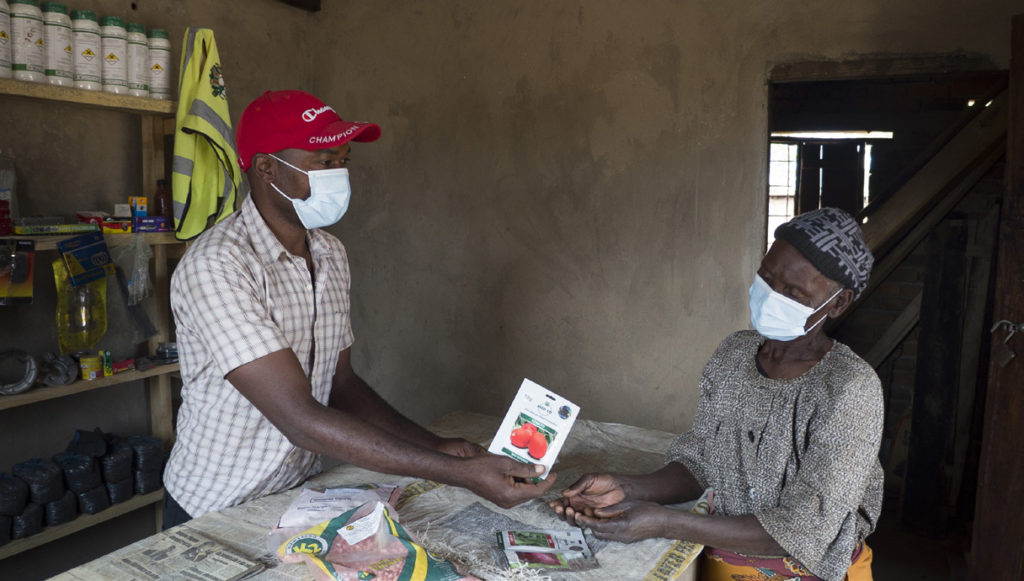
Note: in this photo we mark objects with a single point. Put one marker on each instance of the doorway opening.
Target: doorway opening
(827, 148)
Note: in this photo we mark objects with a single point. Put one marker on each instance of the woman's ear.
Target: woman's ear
(843, 302)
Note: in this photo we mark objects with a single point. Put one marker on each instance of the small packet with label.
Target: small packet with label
(535, 427)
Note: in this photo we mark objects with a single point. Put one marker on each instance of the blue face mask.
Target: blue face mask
(329, 194)
(776, 316)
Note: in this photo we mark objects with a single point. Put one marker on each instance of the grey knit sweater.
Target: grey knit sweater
(799, 454)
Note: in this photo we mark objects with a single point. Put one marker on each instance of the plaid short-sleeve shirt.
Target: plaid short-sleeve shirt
(238, 295)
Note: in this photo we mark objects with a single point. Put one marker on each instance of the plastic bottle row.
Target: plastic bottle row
(49, 44)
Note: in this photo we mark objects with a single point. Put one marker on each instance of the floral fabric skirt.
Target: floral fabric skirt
(719, 565)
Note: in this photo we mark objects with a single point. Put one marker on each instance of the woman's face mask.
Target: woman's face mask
(329, 194)
(777, 316)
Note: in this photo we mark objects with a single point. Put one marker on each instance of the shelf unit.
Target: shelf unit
(157, 120)
(82, 522)
(38, 394)
(100, 99)
(50, 241)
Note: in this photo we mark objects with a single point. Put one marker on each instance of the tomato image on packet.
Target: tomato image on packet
(538, 446)
(520, 438)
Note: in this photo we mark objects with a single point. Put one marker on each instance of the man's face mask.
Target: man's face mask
(777, 316)
(329, 194)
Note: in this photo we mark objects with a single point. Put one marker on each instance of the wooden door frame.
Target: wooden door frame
(997, 542)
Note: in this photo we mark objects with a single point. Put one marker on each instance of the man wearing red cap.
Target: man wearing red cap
(261, 304)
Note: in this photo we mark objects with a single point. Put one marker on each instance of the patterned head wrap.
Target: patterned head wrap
(833, 242)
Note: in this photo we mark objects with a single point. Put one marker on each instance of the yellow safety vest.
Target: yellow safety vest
(205, 178)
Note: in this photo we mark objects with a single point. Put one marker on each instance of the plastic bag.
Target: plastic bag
(148, 453)
(44, 478)
(117, 463)
(13, 495)
(313, 506)
(28, 523)
(121, 490)
(366, 543)
(93, 501)
(133, 260)
(62, 510)
(81, 472)
(5, 529)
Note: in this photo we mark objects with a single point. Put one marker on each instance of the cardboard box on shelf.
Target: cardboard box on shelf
(117, 226)
(149, 224)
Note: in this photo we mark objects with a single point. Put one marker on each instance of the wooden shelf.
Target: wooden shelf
(156, 122)
(37, 394)
(100, 99)
(49, 241)
(83, 521)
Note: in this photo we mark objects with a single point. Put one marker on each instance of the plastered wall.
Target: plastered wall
(574, 191)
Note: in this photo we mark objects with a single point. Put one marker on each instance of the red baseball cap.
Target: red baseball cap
(279, 120)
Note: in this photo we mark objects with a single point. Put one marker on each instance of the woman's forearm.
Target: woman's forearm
(672, 484)
(738, 534)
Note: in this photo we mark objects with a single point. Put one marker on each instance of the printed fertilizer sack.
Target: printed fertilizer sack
(366, 543)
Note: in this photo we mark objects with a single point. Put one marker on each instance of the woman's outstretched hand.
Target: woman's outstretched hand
(627, 521)
(587, 495)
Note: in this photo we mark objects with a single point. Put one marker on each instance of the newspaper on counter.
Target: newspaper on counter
(563, 549)
(535, 426)
(183, 553)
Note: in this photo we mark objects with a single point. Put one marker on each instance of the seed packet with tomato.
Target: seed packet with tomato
(535, 426)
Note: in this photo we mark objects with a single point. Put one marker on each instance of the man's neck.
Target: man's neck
(291, 235)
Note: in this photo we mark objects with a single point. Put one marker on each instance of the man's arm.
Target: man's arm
(277, 386)
(351, 394)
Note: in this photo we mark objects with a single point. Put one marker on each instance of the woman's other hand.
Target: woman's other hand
(590, 493)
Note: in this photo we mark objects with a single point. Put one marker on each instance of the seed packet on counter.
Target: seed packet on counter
(535, 426)
(564, 549)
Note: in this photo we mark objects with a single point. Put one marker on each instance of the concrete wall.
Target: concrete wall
(574, 191)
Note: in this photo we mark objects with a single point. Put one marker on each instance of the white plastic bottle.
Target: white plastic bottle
(5, 41)
(159, 64)
(138, 60)
(114, 42)
(57, 34)
(29, 48)
(85, 43)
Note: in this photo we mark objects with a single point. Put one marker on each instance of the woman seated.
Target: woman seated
(786, 432)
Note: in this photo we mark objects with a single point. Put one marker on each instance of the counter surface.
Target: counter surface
(452, 522)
